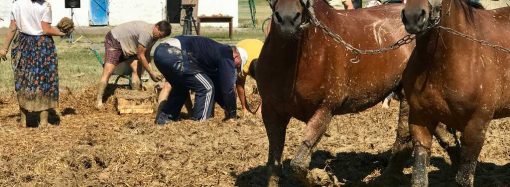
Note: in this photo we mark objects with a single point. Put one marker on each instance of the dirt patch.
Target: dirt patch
(101, 148)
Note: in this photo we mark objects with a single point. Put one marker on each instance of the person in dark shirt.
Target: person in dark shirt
(204, 66)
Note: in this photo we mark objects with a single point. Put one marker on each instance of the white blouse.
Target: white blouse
(29, 15)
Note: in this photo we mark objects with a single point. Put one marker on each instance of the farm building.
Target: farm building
(115, 12)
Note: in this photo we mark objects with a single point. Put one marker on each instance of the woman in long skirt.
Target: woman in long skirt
(34, 58)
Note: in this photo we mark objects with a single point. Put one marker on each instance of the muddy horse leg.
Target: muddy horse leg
(276, 128)
(421, 132)
(472, 141)
(315, 128)
(401, 149)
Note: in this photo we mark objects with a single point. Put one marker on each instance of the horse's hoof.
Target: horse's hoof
(299, 172)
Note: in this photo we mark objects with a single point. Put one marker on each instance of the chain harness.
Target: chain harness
(471, 38)
(460, 34)
(356, 51)
(402, 41)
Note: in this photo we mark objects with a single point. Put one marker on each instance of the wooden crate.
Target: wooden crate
(135, 102)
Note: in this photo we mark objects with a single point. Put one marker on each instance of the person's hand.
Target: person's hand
(245, 113)
(3, 55)
(155, 77)
(259, 111)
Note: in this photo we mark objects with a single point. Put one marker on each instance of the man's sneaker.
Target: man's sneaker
(163, 118)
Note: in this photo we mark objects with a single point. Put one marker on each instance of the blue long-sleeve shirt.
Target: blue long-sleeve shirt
(217, 61)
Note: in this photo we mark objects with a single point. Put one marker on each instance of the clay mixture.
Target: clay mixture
(86, 147)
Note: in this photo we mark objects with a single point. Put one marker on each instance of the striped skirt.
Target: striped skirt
(35, 72)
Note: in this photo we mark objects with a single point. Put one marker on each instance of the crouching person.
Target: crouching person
(253, 48)
(131, 39)
(202, 65)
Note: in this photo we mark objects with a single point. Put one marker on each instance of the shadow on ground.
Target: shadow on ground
(353, 168)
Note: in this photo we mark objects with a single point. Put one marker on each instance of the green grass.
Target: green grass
(77, 67)
(262, 12)
(6, 80)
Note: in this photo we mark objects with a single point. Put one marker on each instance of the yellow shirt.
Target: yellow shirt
(253, 48)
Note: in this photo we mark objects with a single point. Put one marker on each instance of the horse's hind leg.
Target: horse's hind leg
(449, 142)
(315, 128)
(472, 141)
(276, 128)
(400, 151)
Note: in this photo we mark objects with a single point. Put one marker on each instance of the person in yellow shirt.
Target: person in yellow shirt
(253, 48)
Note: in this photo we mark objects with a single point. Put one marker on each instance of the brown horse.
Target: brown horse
(304, 74)
(455, 78)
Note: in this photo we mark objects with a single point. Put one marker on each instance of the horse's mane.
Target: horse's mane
(475, 4)
(468, 6)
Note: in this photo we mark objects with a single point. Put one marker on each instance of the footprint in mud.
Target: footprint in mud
(138, 127)
(85, 162)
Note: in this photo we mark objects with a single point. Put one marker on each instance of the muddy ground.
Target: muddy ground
(85, 147)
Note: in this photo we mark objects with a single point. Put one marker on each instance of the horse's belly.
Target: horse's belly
(358, 103)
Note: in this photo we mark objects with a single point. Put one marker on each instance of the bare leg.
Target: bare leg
(135, 76)
(259, 110)
(163, 97)
(43, 118)
(23, 120)
(107, 72)
(316, 127)
(276, 128)
(472, 141)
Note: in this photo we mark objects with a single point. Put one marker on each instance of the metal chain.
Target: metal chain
(403, 41)
(471, 38)
(482, 42)
(356, 51)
